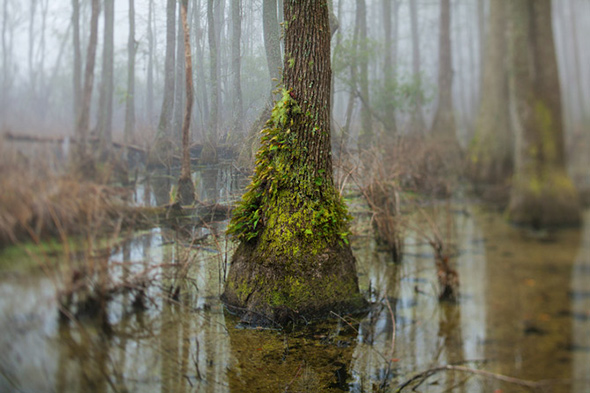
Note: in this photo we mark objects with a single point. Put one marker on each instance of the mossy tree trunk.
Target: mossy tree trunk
(443, 127)
(491, 151)
(294, 260)
(186, 189)
(542, 194)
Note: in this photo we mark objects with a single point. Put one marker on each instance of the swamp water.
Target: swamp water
(524, 312)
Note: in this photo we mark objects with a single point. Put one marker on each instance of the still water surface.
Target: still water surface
(524, 312)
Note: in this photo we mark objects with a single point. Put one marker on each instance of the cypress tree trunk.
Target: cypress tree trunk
(179, 84)
(443, 127)
(294, 260)
(272, 40)
(105, 110)
(186, 188)
(84, 116)
(366, 133)
(236, 15)
(542, 195)
(491, 151)
(418, 123)
(77, 74)
(168, 102)
(130, 98)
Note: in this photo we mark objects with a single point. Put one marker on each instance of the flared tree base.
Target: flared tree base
(266, 290)
(550, 202)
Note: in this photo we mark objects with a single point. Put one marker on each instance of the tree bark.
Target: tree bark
(443, 127)
(186, 188)
(491, 152)
(294, 260)
(542, 194)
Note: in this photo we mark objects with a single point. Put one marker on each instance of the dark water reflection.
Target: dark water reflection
(524, 312)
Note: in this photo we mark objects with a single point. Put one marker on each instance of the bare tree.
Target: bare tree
(105, 109)
(186, 188)
(130, 96)
(168, 102)
(272, 40)
(366, 133)
(238, 112)
(84, 117)
(444, 120)
(150, 64)
(418, 123)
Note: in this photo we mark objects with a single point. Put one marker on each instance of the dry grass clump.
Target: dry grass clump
(36, 203)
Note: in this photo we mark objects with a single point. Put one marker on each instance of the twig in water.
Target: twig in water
(532, 385)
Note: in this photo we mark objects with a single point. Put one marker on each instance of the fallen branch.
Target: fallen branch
(422, 376)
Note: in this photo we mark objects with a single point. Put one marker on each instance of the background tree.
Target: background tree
(366, 132)
(236, 57)
(130, 96)
(105, 106)
(186, 188)
(418, 124)
(77, 60)
(491, 151)
(84, 117)
(272, 41)
(294, 259)
(168, 102)
(542, 194)
(444, 126)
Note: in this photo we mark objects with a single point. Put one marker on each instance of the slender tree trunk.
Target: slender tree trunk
(542, 194)
(186, 188)
(417, 117)
(168, 102)
(491, 151)
(353, 68)
(31, 54)
(390, 7)
(293, 260)
(209, 153)
(180, 83)
(150, 65)
(576, 50)
(444, 127)
(236, 17)
(272, 41)
(84, 117)
(201, 85)
(366, 133)
(130, 98)
(77, 74)
(105, 110)
(6, 65)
